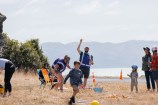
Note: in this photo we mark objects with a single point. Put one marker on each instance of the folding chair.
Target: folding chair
(41, 80)
(1, 89)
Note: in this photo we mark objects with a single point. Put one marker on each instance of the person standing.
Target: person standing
(146, 68)
(134, 77)
(154, 65)
(9, 68)
(2, 19)
(86, 61)
(59, 67)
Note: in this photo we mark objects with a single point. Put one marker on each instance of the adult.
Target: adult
(86, 61)
(146, 68)
(59, 67)
(2, 19)
(9, 68)
(154, 65)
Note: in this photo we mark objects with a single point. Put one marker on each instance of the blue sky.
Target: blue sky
(69, 20)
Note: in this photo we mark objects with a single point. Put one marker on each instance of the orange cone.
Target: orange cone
(121, 75)
(93, 80)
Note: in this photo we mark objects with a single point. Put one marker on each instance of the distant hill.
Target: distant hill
(106, 55)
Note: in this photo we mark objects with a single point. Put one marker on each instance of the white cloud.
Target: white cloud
(113, 4)
(31, 7)
(88, 7)
(8, 1)
(112, 8)
(67, 3)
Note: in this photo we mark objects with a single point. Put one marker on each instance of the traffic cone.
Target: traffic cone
(121, 75)
(93, 80)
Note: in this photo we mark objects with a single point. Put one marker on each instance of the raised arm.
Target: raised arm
(3, 18)
(78, 48)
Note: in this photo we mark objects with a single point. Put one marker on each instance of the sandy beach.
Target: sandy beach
(26, 92)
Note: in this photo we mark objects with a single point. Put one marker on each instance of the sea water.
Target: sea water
(110, 72)
(102, 74)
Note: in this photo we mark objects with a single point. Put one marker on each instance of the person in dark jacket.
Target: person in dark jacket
(2, 19)
(75, 76)
(146, 68)
(9, 68)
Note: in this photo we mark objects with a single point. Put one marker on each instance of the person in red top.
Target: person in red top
(154, 65)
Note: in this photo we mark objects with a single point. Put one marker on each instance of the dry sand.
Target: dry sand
(26, 92)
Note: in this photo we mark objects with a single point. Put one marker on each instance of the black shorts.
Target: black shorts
(85, 72)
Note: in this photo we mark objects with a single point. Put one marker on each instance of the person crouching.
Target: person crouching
(134, 77)
(9, 68)
(75, 76)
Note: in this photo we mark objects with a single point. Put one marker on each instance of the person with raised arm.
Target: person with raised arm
(2, 19)
(86, 61)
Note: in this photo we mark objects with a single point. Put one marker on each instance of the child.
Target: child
(75, 80)
(134, 76)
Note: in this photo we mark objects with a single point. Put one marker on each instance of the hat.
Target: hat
(154, 49)
(134, 67)
(146, 48)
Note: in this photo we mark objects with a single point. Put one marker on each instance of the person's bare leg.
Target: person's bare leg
(75, 92)
(61, 83)
(85, 82)
(4, 94)
(58, 84)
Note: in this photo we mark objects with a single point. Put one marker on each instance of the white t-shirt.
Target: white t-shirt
(2, 63)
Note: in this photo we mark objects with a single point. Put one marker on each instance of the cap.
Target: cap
(146, 48)
(134, 67)
(154, 49)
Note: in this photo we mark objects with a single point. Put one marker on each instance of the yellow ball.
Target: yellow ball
(95, 103)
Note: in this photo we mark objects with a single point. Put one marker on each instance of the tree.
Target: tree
(26, 56)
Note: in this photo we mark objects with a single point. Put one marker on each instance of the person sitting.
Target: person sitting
(41, 77)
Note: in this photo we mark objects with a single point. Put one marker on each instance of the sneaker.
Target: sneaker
(73, 99)
(70, 102)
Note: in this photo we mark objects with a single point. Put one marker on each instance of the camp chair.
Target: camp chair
(46, 80)
(1, 89)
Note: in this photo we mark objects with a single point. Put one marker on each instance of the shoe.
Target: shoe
(70, 102)
(73, 99)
